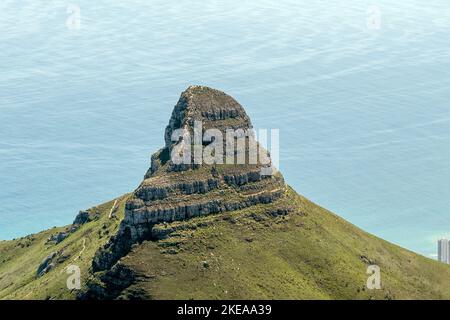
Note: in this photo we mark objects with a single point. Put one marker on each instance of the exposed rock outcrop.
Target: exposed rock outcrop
(152, 190)
(46, 265)
(58, 237)
(213, 108)
(172, 192)
(82, 218)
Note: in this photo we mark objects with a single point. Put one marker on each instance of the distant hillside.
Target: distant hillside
(215, 231)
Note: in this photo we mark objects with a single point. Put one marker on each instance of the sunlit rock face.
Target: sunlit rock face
(204, 122)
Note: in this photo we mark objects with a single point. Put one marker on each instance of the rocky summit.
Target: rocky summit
(172, 192)
(223, 229)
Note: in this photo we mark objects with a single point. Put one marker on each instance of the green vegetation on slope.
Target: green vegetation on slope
(202, 244)
(20, 258)
(309, 253)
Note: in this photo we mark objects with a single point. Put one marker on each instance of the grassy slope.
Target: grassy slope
(310, 253)
(19, 259)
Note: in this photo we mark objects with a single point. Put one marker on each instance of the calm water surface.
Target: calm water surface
(364, 114)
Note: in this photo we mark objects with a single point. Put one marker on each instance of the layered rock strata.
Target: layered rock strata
(172, 192)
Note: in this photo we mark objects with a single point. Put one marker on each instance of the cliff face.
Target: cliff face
(214, 108)
(212, 231)
(174, 192)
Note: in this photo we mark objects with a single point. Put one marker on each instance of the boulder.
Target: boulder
(46, 264)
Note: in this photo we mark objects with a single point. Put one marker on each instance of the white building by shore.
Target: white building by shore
(444, 251)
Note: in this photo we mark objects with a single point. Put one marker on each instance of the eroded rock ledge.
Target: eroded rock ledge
(172, 193)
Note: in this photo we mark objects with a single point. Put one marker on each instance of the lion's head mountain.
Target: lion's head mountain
(212, 231)
(176, 192)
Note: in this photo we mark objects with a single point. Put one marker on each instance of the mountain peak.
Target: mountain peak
(212, 107)
(175, 192)
(212, 231)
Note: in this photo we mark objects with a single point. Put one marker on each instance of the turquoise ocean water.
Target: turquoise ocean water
(363, 112)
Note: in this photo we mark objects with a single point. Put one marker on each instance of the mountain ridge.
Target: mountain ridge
(178, 191)
(193, 230)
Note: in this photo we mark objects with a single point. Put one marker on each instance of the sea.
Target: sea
(359, 90)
